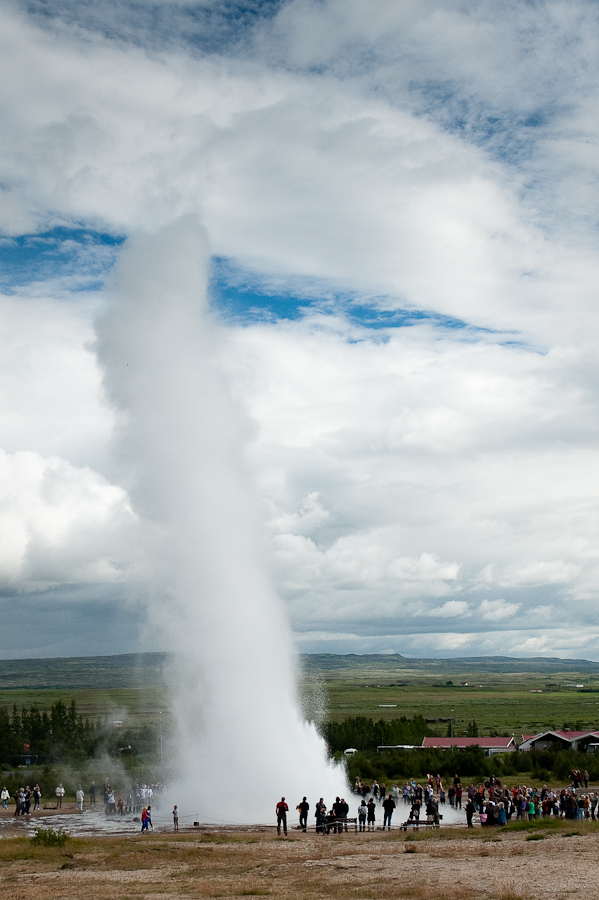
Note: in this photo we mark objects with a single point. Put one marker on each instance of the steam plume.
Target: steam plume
(241, 741)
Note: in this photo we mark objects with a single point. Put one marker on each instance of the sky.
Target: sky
(400, 201)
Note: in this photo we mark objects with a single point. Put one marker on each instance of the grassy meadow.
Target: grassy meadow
(497, 695)
(503, 707)
(500, 698)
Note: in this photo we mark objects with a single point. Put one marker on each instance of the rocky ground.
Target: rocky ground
(449, 864)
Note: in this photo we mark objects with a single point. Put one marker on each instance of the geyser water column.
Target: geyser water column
(241, 741)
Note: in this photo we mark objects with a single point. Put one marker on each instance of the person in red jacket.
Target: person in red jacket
(282, 810)
(146, 818)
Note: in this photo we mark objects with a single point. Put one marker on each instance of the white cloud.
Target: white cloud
(49, 380)
(310, 516)
(451, 609)
(295, 174)
(60, 524)
(512, 508)
(497, 610)
(412, 156)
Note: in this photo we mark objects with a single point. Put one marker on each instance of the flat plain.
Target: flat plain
(508, 696)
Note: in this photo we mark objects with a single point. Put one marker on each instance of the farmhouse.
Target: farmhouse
(560, 740)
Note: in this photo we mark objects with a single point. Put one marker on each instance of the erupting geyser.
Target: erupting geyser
(241, 740)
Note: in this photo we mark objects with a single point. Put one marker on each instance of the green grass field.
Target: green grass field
(133, 706)
(497, 699)
(498, 694)
(504, 708)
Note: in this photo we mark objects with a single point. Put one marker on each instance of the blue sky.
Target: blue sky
(239, 296)
(400, 212)
(56, 255)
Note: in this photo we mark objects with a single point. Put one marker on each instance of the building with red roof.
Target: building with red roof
(560, 740)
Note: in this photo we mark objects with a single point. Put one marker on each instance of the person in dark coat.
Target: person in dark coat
(470, 812)
(371, 814)
(282, 810)
(303, 808)
(388, 807)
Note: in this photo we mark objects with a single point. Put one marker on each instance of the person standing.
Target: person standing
(303, 808)
(92, 794)
(388, 807)
(343, 814)
(320, 813)
(469, 812)
(371, 814)
(362, 813)
(282, 810)
(59, 795)
(458, 796)
(432, 810)
(144, 819)
(5, 797)
(37, 797)
(79, 798)
(175, 817)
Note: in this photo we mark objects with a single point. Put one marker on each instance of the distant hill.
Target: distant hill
(147, 669)
(394, 662)
(84, 672)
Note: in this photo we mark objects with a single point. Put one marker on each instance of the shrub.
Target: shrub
(50, 837)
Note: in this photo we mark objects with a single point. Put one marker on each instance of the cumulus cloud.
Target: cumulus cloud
(434, 162)
(60, 524)
(450, 609)
(291, 174)
(497, 610)
(509, 507)
(49, 380)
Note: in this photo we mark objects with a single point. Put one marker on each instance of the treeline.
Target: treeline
(62, 735)
(362, 733)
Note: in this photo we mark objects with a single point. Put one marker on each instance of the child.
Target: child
(176, 817)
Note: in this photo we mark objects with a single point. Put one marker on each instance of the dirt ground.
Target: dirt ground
(449, 864)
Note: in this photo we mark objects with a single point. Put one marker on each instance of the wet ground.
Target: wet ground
(88, 822)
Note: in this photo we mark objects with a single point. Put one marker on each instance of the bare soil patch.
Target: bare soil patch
(450, 865)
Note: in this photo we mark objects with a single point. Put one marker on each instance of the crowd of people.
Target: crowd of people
(492, 803)
(337, 818)
(501, 805)
(27, 799)
(23, 798)
(489, 801)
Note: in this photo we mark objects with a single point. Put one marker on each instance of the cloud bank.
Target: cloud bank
(401, 209)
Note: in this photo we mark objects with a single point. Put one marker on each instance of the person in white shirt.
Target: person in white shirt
(4, 796)
(59, 795)
(79, 797)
